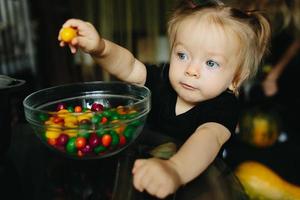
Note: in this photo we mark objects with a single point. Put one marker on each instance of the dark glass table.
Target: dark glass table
(29, 170)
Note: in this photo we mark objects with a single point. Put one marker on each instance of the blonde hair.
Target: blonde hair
(252, 29)
(283, 14)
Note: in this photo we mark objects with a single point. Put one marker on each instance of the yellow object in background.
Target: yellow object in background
(266, 69)
(261, 182)
(259, 128)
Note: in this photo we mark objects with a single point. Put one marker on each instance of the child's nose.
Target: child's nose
(192, 71)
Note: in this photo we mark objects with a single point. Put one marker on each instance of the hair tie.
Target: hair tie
(248, 12)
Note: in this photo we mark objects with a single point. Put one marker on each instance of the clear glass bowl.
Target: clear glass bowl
(88, 120)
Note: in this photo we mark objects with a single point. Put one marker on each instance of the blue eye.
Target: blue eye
(182, 56)
(212, 63)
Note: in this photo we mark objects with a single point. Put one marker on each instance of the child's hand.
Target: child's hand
(158, 177)
(87, 37)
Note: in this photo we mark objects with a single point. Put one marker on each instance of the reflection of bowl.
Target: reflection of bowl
(88, 120)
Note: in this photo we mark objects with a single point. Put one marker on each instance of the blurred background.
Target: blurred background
(268, 130)
(29, 30)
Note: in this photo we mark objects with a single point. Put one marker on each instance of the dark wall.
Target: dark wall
(55, 65)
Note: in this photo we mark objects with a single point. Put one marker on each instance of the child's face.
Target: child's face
(203, 61)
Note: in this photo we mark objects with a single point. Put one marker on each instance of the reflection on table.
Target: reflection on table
(32, 171)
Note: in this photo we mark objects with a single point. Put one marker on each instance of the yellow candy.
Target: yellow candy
(120, 129)
(53, 125)
(70, 125)
(71, 133)
(85, 116)
(52, 134)
(63, 113)
(70, 119)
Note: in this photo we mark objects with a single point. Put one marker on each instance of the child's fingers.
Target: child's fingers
(146, 183)
(152, 188)
(75, 41)
(73, 49)
(161, 192)
(73, 23)
(138, 178)
(79, 42)
(62, 44)
(138, 163)
(58, 37)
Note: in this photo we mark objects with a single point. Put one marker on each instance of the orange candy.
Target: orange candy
(106, 140)
(67, 34)
(80, 142)
(51, 141)
(78, 109)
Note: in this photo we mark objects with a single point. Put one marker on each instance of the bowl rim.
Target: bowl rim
(145, 98)
(80, 83)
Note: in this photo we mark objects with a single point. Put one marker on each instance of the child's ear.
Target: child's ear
(233, 88)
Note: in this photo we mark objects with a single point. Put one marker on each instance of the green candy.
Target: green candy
(114, 115)
(83, 133)
(71, 147)
(123, 117)
(70, 109)
(115, 138)
(100, 132)
(96, 119)
(99, 149)
(128, 132)
(43, 135)
(84, 126)
(132, 115)
(107, 113)
(43, 117)
(135, 123)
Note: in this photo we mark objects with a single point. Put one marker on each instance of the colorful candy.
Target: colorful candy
(81, 131)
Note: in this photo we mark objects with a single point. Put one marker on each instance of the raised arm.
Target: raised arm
(113, 58)
(270, 82)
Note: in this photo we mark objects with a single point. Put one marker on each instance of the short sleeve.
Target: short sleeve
(223, 110)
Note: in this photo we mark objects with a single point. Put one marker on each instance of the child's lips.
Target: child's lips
(187, 86)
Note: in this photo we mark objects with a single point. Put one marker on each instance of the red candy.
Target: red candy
(86, 149)
(62, 139)
(122, 140)
(97, 107)
(80, 153)
(58, 120)
(61, 106)
(94, 140)
(104, 120)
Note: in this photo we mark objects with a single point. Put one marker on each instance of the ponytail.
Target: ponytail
(262, 28)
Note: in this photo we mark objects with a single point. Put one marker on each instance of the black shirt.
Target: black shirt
(222, 109)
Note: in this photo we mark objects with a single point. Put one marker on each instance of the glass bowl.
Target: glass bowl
(88, 120)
